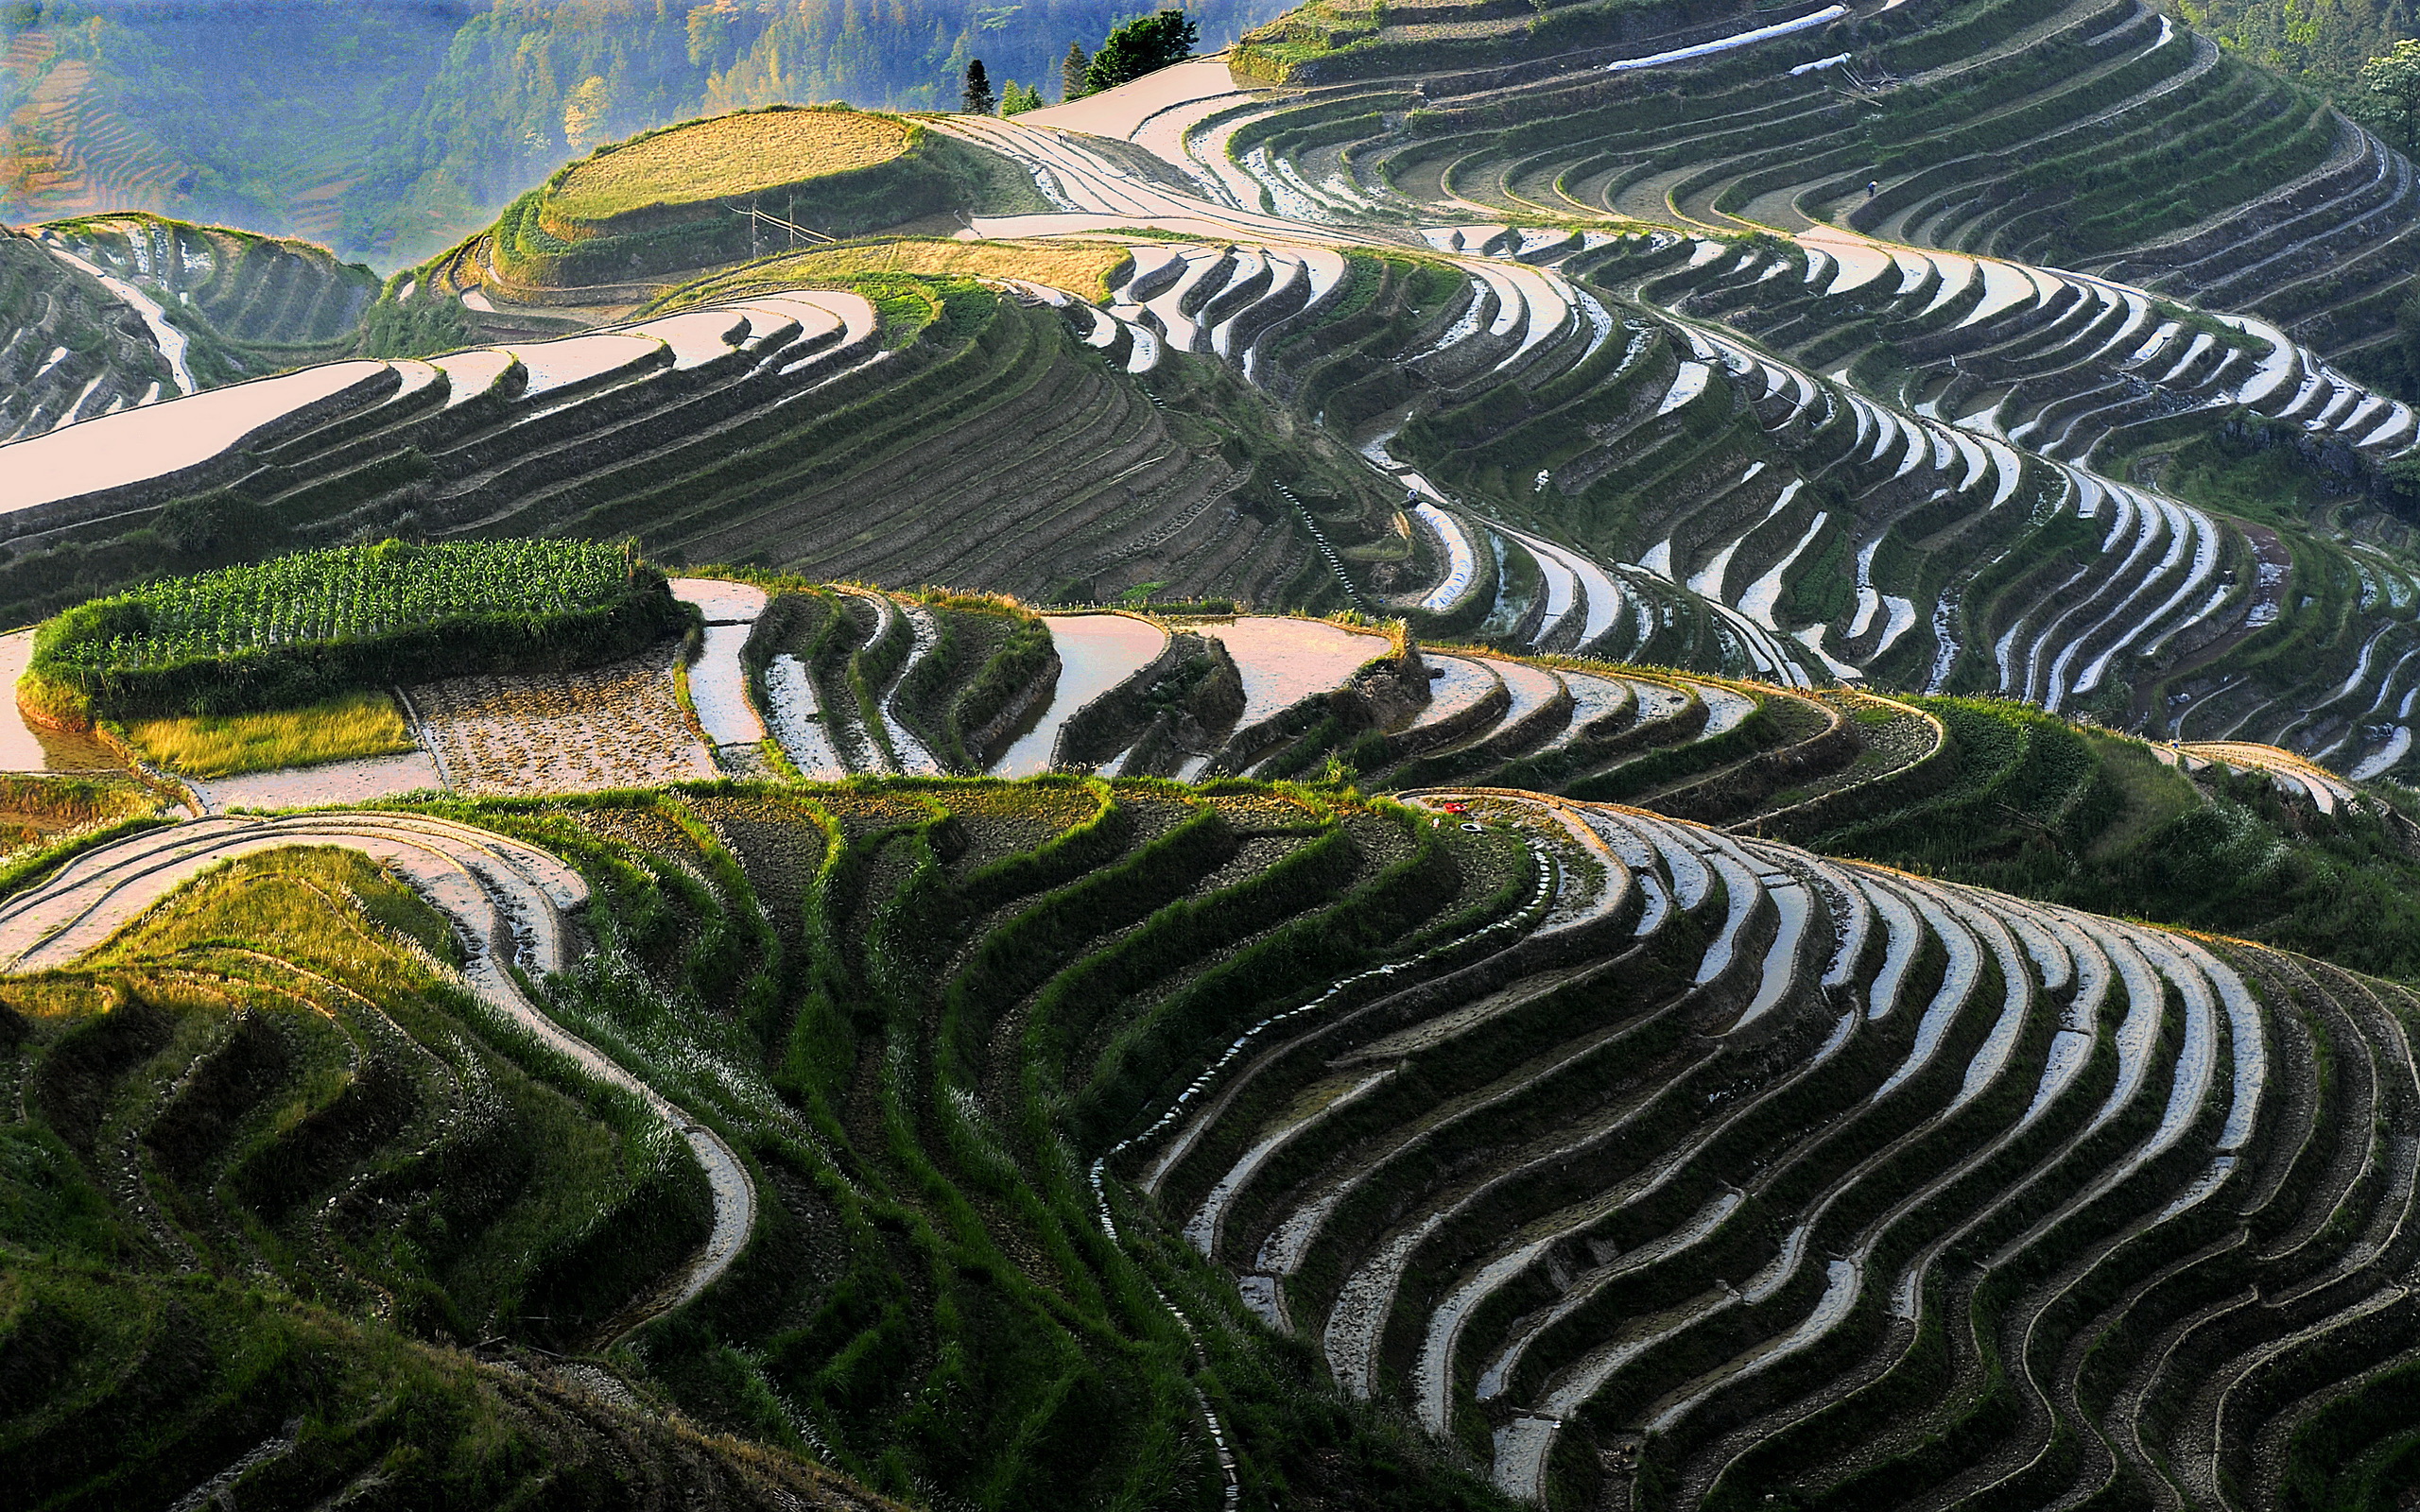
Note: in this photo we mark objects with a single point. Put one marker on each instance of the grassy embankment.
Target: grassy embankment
(340, 1171)
(665, 201)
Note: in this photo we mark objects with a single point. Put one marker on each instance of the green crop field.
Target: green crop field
(726, 157)
(300, 627)
(344, 593)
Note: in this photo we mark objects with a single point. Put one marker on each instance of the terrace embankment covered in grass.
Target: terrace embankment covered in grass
(706, 193)
(306, 627)
(41, 817)
(274, 1172)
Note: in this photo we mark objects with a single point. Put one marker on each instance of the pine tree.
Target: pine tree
(1015, 99)
(978, 100)
(1071, 73)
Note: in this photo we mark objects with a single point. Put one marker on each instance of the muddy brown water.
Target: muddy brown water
(1096, 652)
(26, 747)
(1285, 660)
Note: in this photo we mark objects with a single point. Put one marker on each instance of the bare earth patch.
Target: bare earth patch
(614, 726)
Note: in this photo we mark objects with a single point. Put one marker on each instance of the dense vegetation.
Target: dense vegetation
(258, 1207)
(303, 627)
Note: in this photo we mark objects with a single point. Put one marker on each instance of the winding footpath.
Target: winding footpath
(508, 902)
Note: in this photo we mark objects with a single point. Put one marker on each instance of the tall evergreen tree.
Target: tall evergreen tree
(1071, 72)
(977, 100)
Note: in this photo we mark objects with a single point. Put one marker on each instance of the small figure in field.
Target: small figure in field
(1872, 187)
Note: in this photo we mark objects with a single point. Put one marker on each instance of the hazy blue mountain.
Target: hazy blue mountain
(388, 129)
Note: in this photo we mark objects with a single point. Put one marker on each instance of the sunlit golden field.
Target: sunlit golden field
(356, 724)
(729, 154)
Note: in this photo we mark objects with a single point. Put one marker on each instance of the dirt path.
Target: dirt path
(507, 900)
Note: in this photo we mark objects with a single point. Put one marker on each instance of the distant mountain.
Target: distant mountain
(390, 129)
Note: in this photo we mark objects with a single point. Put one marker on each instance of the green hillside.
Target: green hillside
(1595, 756)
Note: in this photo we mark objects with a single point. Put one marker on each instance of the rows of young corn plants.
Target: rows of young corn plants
(345, 593)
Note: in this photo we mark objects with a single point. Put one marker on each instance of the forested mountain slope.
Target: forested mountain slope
(416, 120)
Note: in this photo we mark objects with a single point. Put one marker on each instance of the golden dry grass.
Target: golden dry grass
(1078, 266)
(358, 724)
(726, 156)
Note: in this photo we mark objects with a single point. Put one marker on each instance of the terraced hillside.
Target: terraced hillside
(1757, 1208)
(1559, 1031)
(71, 152)
(248, 304)
(113, 312)
(1716, 497)
(763, 427)
(2098, 135)
(842, 1116)
(1628, 1157)
(1836, 456)
(262, 1203)
(829, 682)
(611, 232)
(1824, 458)
(72, 349)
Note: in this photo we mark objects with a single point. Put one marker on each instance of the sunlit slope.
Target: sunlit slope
(2249, 840)
(611, 230)
(277, 1171)
(2100, 135)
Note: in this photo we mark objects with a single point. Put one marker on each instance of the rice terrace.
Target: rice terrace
(1606, 754)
